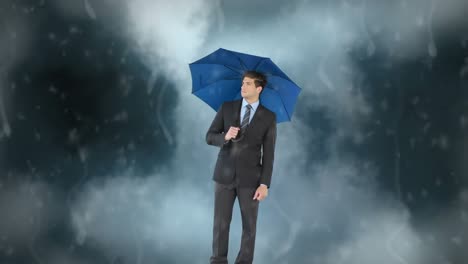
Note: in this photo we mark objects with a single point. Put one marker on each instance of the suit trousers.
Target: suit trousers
(224, 198)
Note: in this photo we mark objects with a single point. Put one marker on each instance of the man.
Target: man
(245, 131)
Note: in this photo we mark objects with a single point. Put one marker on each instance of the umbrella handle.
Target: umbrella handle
(238, 139)
(236, 123)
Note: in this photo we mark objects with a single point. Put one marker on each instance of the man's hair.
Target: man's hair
(260, 79)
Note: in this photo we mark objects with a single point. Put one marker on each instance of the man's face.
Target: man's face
(248, 89)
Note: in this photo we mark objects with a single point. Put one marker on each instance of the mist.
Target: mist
(103, 149)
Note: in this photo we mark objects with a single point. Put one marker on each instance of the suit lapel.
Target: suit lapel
(237, 112)
(254, 121)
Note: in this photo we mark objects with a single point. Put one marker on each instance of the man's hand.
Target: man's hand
(261, 193)
(232, 133)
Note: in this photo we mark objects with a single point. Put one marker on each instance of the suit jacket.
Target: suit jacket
(250, 160)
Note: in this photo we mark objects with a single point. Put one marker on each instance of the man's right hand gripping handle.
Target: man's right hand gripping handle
(215, 135)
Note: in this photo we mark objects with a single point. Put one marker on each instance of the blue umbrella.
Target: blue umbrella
(217, 78)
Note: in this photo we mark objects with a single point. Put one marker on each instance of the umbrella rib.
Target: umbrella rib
(241, 62)
(258, 63)
(232, 68)
(215, 81)
(228, 67)
(285, 80)
(270, 74)
(286, 110)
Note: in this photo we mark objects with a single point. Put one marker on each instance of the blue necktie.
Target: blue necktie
(245, 120)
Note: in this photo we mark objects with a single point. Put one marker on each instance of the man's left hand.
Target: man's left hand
(261, 193)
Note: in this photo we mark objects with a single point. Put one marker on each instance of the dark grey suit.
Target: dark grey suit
(240, 169)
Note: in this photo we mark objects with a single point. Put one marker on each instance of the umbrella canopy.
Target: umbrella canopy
(217, 78)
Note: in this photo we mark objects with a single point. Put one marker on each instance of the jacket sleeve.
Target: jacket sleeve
(268, 156)
(215, 134)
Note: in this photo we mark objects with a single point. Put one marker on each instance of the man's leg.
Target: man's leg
(223, 204)
(249, 212)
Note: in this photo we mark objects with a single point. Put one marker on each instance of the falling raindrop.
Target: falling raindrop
(432, 49)
(89, 9)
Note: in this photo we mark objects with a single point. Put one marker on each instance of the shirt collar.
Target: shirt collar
(254, 105)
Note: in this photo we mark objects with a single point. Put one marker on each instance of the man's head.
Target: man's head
(252, 85)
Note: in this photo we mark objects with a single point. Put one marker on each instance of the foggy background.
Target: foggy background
(103, 156)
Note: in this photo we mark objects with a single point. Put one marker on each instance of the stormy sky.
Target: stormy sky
(103, 156)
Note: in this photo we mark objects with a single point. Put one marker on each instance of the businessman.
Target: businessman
(245, 132)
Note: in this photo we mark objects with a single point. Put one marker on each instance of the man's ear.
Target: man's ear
(261, 88)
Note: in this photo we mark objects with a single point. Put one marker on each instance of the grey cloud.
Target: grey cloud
(132, 216)
(14, 45)
(29, 207)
